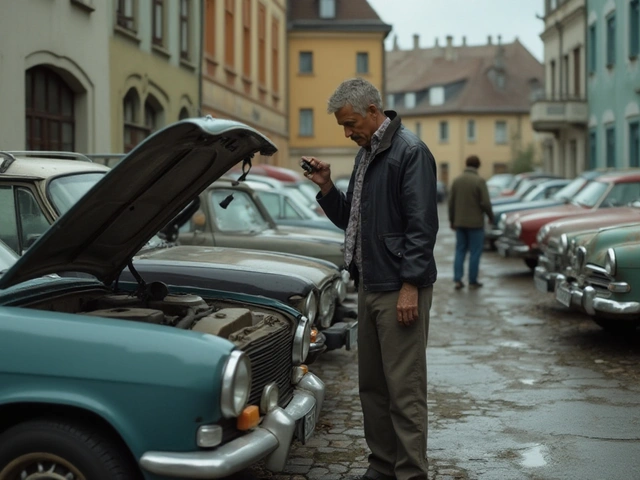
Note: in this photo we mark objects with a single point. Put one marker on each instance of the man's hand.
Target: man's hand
(408, 304)
(321, 175)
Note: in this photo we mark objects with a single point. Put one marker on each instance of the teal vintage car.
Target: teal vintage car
(608, 284)
(105, 380)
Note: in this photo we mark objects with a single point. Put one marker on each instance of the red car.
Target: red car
(521, 228)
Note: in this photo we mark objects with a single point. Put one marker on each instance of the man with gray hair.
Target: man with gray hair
(390, 218)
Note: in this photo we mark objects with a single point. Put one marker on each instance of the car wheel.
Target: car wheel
(59, 450)
(532, 263)
(617, 326)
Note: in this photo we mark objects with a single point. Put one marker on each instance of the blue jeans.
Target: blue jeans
(468, 240)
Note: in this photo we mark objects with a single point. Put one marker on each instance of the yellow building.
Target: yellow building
(243, 67)
(464, 100)
(329, 41)
(153, 67)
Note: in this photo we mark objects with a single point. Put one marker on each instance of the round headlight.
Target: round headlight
(236, 384)
(340, 289)
(310, 307)
(610, 262)
(542, 234)
(327, 306)
(564, 243)
(301, 341)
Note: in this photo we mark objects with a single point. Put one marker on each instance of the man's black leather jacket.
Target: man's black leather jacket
(399, 213)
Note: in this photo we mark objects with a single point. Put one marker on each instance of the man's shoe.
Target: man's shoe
(459, 285)
(475, 285)
(372, 474)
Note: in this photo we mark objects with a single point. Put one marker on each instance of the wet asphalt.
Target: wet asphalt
(519, 387)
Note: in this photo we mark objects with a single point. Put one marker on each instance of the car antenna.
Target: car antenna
(246, 168)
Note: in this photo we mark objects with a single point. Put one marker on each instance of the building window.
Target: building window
(262, 44)
(634, 144)
(133, 133)
(443, 132)
(157, 18)
(124, 14)
(184, 113)
(418, 129)
(306, 122)
(577, 88)
(49, 102)
(362, 62)
(436, 95)
(552, 80)
(611, 146)
(501, 132)
(327, 8)
(229, 33)
(409, 100)
(275, 55)
(210, 26)
(184, 29)
(611, 40)
(444, 173)
(592, 48)
(305, 60)
(471, 130)
(246, 38)
(391, 101)
(593, 152)
(634, 28)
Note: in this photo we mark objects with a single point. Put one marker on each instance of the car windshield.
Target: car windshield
(622, 194)
(310, 190)
(64, 192)
(279, 206)
(535, 194)
(500, 180)
(525, 187)
(571, 189)
(7, 258)
(241, 215)
(589, 195)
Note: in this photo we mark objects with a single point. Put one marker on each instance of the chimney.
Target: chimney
(438, 49)
(489, 40)
(416, 41)
(499, 39)
(395, 42)
(464, 41)
(449, 53)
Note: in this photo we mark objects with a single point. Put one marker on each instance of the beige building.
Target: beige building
(244, 58)
(329, 41)
(54, 82)
(154, 52)
(563, 111)
(466, 99)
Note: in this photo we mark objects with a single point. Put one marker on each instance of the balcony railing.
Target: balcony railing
(551, 114)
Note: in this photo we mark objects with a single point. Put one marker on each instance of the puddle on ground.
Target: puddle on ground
(534, 457)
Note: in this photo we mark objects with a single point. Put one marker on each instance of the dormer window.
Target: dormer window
(410, 100)
(436, 95)
(327, 8)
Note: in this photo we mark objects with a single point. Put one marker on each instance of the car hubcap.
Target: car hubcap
(40, 466)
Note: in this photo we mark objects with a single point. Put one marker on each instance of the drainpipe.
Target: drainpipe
(201, 55)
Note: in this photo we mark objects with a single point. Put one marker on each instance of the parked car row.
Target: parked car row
(586, 251)
(155, 319)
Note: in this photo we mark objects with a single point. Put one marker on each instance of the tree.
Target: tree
(524, 159)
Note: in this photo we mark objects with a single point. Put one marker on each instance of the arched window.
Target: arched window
(133, 132)
(50, 121)
(184, 113)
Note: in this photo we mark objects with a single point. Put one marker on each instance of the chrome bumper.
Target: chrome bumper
(544, 280)
(270, 441)
(493, 233)
(510, 248)
(594, 304)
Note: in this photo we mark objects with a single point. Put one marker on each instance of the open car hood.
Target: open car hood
(147, 189)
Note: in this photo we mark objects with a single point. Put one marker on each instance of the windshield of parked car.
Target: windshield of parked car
(569, 190)
(308, 189)
(535, 193)
(500, 180)
(622, 194)
(279, 206)
(241, 215)
(7, 258)
(590, 195)
(65, 191)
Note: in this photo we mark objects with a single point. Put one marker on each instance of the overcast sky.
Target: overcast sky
(475, 19)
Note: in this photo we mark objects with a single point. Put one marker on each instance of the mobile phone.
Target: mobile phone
(306, 165)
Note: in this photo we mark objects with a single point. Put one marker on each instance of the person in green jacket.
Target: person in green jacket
(469, 202)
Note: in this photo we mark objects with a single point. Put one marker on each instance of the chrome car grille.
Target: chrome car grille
(271, 361)
(510, 230)
(599, 280)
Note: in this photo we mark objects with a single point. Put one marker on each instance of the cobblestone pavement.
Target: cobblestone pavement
(519, 388)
